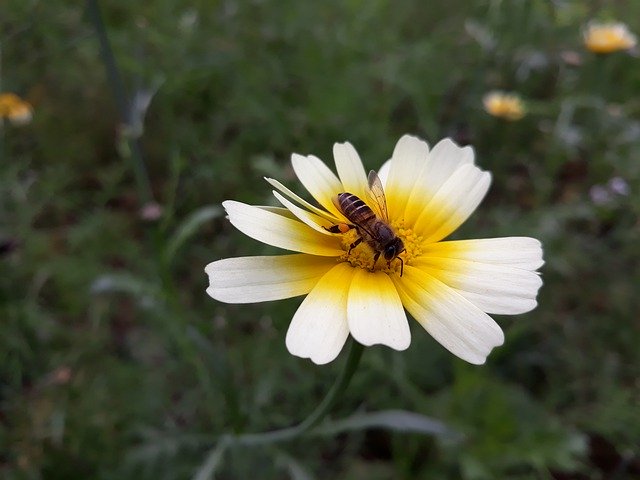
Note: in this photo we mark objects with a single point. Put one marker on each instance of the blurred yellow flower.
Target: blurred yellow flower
(422, 195)
(17, 110)
(608, 37)
(504, 105)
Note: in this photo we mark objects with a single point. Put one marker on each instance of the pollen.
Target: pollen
(362, 255)
(412, 242)
(359, 256)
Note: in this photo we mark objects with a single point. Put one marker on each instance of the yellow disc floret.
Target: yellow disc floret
(412, 241)
(363, 255)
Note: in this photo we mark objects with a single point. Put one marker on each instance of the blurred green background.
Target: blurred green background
(115, 364)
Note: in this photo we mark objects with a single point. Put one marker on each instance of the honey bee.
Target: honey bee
(372, 227)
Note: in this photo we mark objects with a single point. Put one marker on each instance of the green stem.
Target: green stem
(122, 100)
(315, 417)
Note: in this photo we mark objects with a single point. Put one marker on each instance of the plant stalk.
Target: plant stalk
(315, 417)
(122, 101)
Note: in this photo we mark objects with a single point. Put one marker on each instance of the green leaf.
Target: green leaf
(146, 293)
(294, 468)
(189, 227)
(396, 420)
(211, 463)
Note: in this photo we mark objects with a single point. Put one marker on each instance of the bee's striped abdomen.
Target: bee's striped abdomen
(355, 209)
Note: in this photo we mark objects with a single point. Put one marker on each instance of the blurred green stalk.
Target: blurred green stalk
(178, 325)
(334, 394)
(122, 101)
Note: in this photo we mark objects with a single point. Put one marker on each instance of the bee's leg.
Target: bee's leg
(355, 244)
(375, 259)
(401, 265)
(340, 228)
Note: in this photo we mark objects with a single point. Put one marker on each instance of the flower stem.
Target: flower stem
(314, 417)
(122, 100)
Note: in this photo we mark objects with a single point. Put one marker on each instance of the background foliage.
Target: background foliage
(114, 363)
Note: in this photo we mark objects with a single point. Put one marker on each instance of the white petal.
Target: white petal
(279, 231)
(383, 173)
(445, 158)
(493, 288)
(443, 161)
(350, 169)
(261, 279)
(375, 311)
(311, 219)
(520, 252)
(457, 324)
(319, 327)
(318, 179)
(454, 202)
(281, 211)
(409, 157)
(300, 201)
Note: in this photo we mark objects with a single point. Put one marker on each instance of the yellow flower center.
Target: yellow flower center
(18, 111)
(503, 105)
(362, 255)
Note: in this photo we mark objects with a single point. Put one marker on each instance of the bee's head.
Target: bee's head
(393, 249)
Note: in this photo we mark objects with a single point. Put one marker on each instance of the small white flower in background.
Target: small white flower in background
(603, 194)
(571, 58)
(599, 195)
(619, 185)
(151, 211)
(608, 37)
(449, 287)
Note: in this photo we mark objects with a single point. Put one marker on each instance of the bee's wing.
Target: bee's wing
(375, 192)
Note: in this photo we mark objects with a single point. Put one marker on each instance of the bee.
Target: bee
(372, 227)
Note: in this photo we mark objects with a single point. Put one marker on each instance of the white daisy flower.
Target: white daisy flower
(359, 276)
